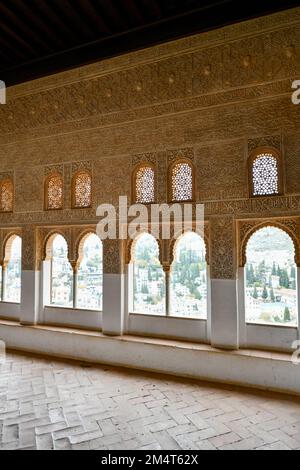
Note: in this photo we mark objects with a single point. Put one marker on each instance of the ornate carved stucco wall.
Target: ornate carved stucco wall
(212, 97)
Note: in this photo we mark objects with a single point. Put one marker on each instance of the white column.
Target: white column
(208, 304)
(298, 298)
(224, 317)
(46, 280)
(3, 283)
(241, 307)
(29, 297)
(113, 304)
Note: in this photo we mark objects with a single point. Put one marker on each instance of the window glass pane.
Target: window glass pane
(61, 274)
(189, 278)
(90, 275)
(148, 277)
(270, 278)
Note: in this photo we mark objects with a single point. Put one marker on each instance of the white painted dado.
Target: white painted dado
(168, 327)
(270, 337)
(266, 370)
(87, 319)
(224, 318)
(10, 310)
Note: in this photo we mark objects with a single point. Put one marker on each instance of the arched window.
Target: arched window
(61, 273)
(6, 195)
(148, 276)
(270, 278)
(265, 173)
(144, 184)
(12, 269)
(181, 181)
(90, 273)
(188, 288)
(54, 192)
(82, 189)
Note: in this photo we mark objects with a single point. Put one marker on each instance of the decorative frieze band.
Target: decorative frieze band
(255, 207)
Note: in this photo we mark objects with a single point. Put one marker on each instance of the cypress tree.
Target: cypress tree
(264, 293)
(255, 293)
(287, 315)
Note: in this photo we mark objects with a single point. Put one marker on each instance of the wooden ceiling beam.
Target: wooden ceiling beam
(99, 24)
(13, 20)
(37, 23)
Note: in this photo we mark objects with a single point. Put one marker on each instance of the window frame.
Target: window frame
(254, 155)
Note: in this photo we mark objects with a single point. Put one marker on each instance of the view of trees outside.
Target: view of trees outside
(61, 275)
(13, 273)
(270, 278)
(148, 277)
(90, 275)
(189, 278)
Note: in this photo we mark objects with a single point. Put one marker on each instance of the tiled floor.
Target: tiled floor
(47, 404)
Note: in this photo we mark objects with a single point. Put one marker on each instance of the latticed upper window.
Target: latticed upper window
(265, 175)
(182, 181)
(82, 190)
(144, 185)
(6, 196)
(54, 192)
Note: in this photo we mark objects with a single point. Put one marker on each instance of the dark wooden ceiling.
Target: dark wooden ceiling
(40, 37)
